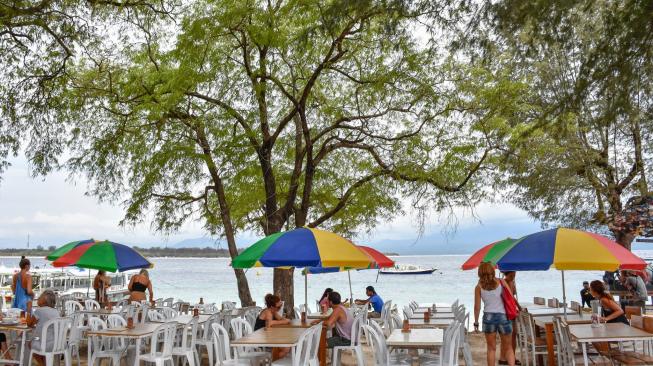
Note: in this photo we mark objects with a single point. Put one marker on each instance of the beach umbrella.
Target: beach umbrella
(67, 248)
(379, 260)
(101, 255)
(303, 247)
(560, 248)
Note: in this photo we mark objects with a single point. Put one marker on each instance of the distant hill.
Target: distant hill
(196, 243)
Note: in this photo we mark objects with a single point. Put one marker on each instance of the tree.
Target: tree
(39, 41)
(270, 115)
(583, 151)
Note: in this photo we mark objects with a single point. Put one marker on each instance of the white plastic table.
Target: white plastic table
(415, 340)
(610, 332)
(18, 328)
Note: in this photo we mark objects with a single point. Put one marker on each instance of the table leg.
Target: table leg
(414, 357)
(321, 352)
(22, 347)
(550, 344)
(585, 359)
(137, 350)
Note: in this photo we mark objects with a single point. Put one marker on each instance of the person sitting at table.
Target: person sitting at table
(374, 299)
(342, 319)
(271, 314)
(45, 312)
(101, 283)
(138, 285)
(21, 285)
(637, 287)
(324, 300)
(612, 312)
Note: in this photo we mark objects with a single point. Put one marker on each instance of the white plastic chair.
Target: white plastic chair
(206, 339)
(186, 345)
(155, 316)
(90, 304)
(75, 336)
(161, 345)
(103, 347)
(222, 350)
(169, 313)
(71, 307)
(306, 351)
(355, 344)
(167, 303)
(228, 305)
(241, 328)
(250, 316)
(59, 328)
(450, 347)
(380, 350)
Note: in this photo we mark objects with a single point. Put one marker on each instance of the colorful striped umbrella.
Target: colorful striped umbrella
(379, 260)
(67, 248)
(561, 248)
(302, 247)
(101, 255)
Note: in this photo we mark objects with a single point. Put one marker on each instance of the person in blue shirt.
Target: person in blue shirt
(374, 299)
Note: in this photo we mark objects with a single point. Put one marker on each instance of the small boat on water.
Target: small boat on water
(407, 269)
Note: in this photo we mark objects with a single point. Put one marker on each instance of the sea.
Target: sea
(213, 279)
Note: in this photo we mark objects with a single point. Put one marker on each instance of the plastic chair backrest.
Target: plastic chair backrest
(396, 322)
(451, 344)
(317, 333)
(303, 349)
(162, 340)
(356, 326)
(58, 327)
(220, 340)
(228, 305)
(72, 306)
(169, 313)
(207, 331)
(116, 321)
(91, 304)
(379, 347)
(168, 302)
(155, 316)
(240, 327)
(378, 328)
(189, 335)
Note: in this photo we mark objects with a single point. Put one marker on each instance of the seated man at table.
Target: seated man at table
(637, 288)
(342, 319)
(46, 311)
(374, 299)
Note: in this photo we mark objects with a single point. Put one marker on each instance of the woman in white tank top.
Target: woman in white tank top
(488, 290)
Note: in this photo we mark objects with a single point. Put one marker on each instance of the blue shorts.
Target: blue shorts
(496, 322)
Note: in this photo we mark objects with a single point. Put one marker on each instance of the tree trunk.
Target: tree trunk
(243, 288)
(284, 287)
(624, 238)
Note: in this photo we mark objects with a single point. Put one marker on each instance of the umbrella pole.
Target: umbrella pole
(88, 288)
(351, 293)
(564, 295)
(378, 272)
(306, 292)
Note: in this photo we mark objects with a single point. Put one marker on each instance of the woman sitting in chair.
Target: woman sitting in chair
(271, 315)
(45, 312)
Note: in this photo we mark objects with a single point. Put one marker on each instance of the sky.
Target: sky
(54, 210)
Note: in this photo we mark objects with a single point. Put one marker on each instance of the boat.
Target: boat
(66, 282)
(407, 269)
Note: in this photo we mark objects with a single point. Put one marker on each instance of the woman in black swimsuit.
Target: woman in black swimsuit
(612, 312)
(271, 314)
(138, 285)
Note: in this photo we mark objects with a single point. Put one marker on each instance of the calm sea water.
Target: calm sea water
(213, 279)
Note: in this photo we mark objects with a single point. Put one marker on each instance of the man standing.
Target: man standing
(374, 299)
(585, 295)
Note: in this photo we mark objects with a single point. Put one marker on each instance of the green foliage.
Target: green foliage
(583, 149)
